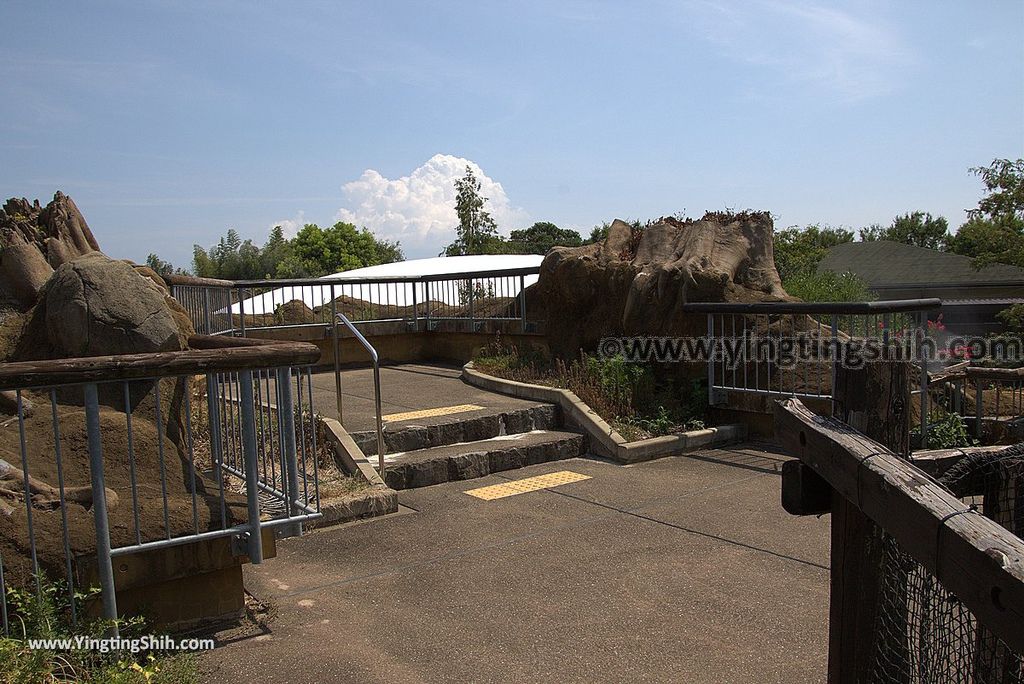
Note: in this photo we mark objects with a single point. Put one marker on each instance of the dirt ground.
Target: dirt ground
(41, 452)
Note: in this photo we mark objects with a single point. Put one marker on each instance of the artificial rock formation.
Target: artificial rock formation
(61, 297)
(95, 306)
(36, 240)
(636, 280)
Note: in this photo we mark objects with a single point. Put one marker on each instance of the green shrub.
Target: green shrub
(828, 286)
(628, 395)
(47, 615)
(949, 432)
(1013, 317)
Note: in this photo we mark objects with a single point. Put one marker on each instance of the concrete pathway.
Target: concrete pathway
(408, 391)
(683, 569)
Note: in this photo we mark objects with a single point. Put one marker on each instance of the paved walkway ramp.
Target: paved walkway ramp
(683, 569)
(440, 429)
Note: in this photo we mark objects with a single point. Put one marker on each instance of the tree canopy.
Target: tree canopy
(477, 233)
(918, 228)
(541, 237)
(312, 253)
(799, 250)
(994, 231)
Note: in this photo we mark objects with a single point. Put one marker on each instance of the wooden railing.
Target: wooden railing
(972, 556)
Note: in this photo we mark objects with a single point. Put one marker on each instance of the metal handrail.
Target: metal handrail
(433, 277)
(376, 384)
(876, 307)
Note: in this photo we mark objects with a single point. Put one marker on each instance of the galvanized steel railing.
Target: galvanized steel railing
(1004, 390)
(421, 302)
(376, 383)
(813, 335)
(185, 460)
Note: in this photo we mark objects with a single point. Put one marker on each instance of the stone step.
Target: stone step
(458, 428)
(469, 460)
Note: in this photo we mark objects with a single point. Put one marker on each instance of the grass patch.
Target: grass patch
(335, 483)
(631, 397)
(47, 615)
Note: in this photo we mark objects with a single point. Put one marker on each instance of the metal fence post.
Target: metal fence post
(287, 412)
(415, 306)
(923, 322)
(213, 418)
(251, 459)
(104, 565)
(241, 309)
(337, 352)
(711, 360)
(979, 408)
(426, 300)
(522, 300)
(207, 312)
(836, 353)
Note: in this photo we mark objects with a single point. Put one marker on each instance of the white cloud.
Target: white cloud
(290, 226)
(419, 209)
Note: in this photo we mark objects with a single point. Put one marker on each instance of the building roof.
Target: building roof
(988, 301)
(883, 264)
(350, 283)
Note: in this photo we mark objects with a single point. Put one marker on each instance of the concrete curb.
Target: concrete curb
(605, 441)
(377, 499)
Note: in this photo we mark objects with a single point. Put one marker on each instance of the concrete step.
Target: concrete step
(465, 461)
(458, 428)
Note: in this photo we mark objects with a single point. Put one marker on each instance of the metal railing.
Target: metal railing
(790, 348)
(146, 456)
(420, 302)
(998, 397)
(376, 383)
(207, 301)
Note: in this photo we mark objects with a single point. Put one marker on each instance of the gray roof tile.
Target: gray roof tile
(885, 264)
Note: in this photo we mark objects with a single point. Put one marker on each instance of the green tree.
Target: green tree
(477, 233)
(1004, 188)
(1013, 317)
(276, 250)
(598, 233)
(798, 251)
(159, 265)
(342, 247)
(230, 258)
(541, 237)
(994, 231)
(919, 229)
(310, 254)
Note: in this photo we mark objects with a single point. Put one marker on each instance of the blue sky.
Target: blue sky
(169, 122)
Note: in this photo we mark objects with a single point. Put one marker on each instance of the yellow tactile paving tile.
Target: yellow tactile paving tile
(529, 484)
(430, 413)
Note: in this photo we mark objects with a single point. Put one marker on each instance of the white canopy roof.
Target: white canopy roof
(358, 283)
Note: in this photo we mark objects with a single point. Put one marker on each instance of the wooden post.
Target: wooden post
(973, 557)
(874, 400)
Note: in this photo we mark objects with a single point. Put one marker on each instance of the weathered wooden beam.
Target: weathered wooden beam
(1006, 374)
(225, 342)
(235, 356)
(973, 557)
(194, 281)
(937, 461)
